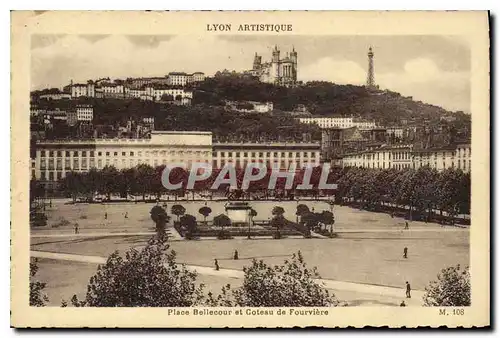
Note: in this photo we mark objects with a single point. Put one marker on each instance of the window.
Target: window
(59, 175)
(51, 153)
(115, 153)
(253, 154)
(84, 163)
(99, 153)
(84, 153)
(43, 164)
(123, 153)
(99, 164)
(51, 175)
(290, 154)
(42, 153)
(44, 176)
(305, 153)
(147, 153)
(261, 154)
(59, 153)
(59, 164)
(107, 153)
(76, 164)
(245, 154)
(275, 154)
(139, 153)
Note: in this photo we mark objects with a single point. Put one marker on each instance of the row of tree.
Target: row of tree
(420, 191)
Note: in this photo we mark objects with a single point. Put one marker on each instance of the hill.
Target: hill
(321, 98)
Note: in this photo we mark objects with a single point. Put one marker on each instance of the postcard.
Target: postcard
(250, 169)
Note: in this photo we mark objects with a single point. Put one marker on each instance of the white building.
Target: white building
(404, 156)
(396, 131)
(338, 122)
(56, 96)
(84, 112)
(54, 159)
(263, 107)
(83, 90)
(270, 154)
(177, 79)
(196, 77)
(397, 157)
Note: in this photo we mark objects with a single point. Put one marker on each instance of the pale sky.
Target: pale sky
(432, 69)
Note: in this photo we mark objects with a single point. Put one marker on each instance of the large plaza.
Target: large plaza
(364, 265)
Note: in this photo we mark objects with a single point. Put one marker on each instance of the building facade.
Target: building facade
(325, 122)
(82, 90)
(405, 156)
(277, 71)
(84, 113)
(54, 159)
(280, 155)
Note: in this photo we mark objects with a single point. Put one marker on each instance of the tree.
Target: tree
(189, 223)
(205, 211)
(277, 222)
(326, 217)
(109, 176)
(278, 211)
(146, 278)
(178, 210)
(37, 297)
(451, 289)
(160, 217)
(310, 220)
(302, 209)
(222, 221)
(292, 284)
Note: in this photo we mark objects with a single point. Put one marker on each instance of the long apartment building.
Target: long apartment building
(405, 156)
(325, 122)
(281, 155)
(54, 159)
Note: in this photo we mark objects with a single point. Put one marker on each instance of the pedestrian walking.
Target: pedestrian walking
(126, 215)
(402, 303)
(77, 230)
(105, 215)
(235, 257)
(408, 290)
(216, 265)
(406, 226)
(405, 252)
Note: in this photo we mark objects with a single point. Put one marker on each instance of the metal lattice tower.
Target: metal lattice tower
(370, 81)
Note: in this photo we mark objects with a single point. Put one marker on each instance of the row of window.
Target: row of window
(460, 165)
(91, 153)
(261, 154)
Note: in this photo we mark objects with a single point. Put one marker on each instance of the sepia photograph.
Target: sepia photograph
(248, 172)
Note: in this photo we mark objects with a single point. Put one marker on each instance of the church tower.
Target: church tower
(257, 61)
(275, 65)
